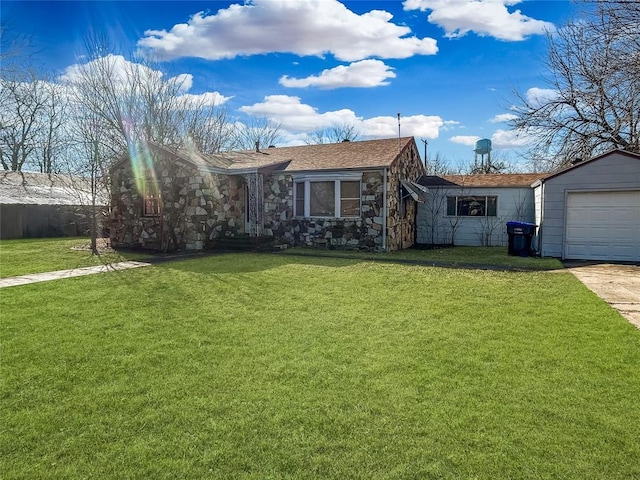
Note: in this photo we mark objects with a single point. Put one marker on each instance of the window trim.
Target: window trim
(486, 205)
(337, 193)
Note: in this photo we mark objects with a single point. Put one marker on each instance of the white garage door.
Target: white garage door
(603, 226)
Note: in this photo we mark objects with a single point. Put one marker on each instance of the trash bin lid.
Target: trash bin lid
(521, 224)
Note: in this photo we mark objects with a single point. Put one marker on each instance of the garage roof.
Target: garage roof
(31, 188)
(494, 180)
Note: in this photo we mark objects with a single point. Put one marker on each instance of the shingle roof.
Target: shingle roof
(483, 180)
(30, 188)
(333, 156)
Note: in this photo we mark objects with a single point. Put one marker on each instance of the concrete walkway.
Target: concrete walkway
(75, 272)
(618, 285)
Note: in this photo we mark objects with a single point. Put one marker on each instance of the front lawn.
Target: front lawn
(254, 366)
(491, 256)
(25, 256)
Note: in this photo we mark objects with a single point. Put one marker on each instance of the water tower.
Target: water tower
(483, 149)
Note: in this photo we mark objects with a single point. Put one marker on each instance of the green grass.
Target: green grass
(286, 367)
(25, 256)
(496, 256)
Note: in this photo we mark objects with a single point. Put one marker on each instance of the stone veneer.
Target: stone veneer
(401, 229)
(199, 207)
(363, 233)
(196, 207)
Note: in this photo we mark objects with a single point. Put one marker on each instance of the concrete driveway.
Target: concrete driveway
(618, 285)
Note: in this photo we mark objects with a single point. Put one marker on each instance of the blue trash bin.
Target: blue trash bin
(520, 237)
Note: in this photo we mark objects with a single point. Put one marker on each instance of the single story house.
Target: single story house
(357, 195)
(588, 211)
(45, 205)
(591, 210)
(473, 210)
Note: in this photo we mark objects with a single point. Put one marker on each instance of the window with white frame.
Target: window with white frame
(349, 199)
(327, 197)
(472, 206)
(322, 199)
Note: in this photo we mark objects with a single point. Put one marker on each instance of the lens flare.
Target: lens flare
(143, 167)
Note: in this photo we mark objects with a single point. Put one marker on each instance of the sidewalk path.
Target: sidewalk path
(75, 272)
(618, 285)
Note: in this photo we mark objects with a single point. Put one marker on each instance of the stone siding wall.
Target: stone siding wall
(278, 207)
(195, 207)
(401, 227)
(364, 233)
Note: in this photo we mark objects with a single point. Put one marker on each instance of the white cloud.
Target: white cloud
(119, 68)
(484, 17)
(205, 99)
(510, 139)
(302, 27)
(501, 139)
(296, 118)
(363, 74)
(425, 126)
(185, 80)
(503, 117)
(122, 70)
(450, 125)
(465, 139)
(538, 96)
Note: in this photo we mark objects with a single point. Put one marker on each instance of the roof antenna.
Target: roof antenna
(398, 132)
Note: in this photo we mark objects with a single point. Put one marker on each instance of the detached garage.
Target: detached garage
(591, 211)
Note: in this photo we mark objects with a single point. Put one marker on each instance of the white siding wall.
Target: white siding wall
(613, 172)
(434, 226)
(537, 202)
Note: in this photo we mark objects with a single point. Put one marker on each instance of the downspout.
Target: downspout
(384, 210)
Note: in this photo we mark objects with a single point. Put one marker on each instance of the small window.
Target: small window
(472, 206)
(349, 199)
(151, 205)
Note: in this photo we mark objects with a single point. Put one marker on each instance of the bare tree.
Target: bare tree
(435, 208)
(336, 133)
(205, 126)
(89, 158)
(454, 222)
(24, 101)
(100, 88)
(15, 47)
(487, 229)
(259, 132)
(593, 99)
(438, 165)
(497, 162)
(523, 208)
(50, 136)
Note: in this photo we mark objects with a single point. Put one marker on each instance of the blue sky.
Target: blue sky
(449, 67)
